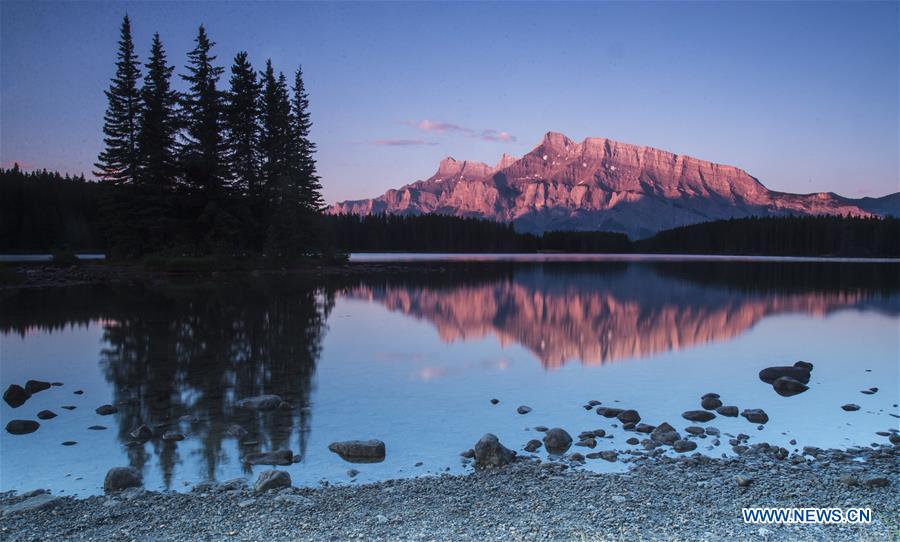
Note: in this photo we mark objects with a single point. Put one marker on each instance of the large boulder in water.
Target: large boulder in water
(490, 453)
(275, 457)
(786, 386)
(664, 434)
(261, 403)
(755, 415)
(119, 478)
(22, 427)
(557, 440)
(15, 395)
(359, 451)
(770, 374)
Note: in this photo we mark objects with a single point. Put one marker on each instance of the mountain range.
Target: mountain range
(601, 184)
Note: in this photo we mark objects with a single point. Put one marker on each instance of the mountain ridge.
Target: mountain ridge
(603, 184)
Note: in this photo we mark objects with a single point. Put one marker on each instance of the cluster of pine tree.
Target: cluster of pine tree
(208, 170)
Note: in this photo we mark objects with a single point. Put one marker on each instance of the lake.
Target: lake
(413, 352)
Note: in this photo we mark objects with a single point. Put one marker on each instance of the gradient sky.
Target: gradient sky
(804, 96)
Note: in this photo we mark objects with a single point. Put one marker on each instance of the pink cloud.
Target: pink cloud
(402, 142)
(488, 134)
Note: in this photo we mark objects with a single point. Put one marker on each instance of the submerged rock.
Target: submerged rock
(490, 453)
(629, 416)
(119, 478)
(730, 411)
(275, 457)
(34, 386)
(523, 409)
(755, 415)
(15, 395)
(261, 403)
(557, 440)
(46, 415)
(787, 386)
(272, 479)
(850, 407)
(682, 446)
(532, 445)
(106, 410)
(609, 412)
(69, 407)
(710, 401)
(359, 451)
(698, 415)
(771, 374)
(22, 427)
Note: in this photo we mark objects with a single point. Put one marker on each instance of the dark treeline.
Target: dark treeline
(224, 168)
(782, 236)
(441, 233)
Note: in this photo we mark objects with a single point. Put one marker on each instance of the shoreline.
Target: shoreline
(683, 498)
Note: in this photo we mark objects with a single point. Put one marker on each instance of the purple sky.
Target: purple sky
(803, 96)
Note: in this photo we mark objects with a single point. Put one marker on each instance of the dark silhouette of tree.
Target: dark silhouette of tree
(159, 121)
(120, 159)
(304, 149)
(242, 127)
(275, 130)
(202, 151)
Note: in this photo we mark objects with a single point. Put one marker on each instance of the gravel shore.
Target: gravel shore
(685, 498)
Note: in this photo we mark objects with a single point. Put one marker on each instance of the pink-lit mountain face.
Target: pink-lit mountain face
(601, 184)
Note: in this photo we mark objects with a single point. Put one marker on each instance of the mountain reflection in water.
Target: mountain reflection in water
(178, 356)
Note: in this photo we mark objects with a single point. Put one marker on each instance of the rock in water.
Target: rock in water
(804, 365)
(629, 416)
(523, 409)
(682, 446)
(15, 395)
(276, 457)
(34, 386)
(172, 436)
(557, 440)
(236, 431)
(495, 401)
(46, 415)
(698, 415)
(261, 403)
(272, 479)
(730, 411)
(710, 401)
(142, 433)
(608, 412)
(119, 478)
(106, 410)
(532, 445)
(490, 453)
(850, 407)
(771, 374)
(664, 434)
(787, 386)
(359, 451)
(22, 427)
(755, 415)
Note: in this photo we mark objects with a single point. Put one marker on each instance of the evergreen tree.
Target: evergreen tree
(159, 121)
(202, 152)
(120, 159)
(303, 149)
(275, 130)
(242, 127)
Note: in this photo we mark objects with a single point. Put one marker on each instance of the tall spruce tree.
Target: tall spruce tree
(303, 148)
(202, 152)
(159, 121)
(275, 130)
(120, 159)
(242, 134)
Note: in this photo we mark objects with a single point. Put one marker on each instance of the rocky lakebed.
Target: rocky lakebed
(670, 490)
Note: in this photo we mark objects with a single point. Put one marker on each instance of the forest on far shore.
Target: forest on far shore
(45, 211)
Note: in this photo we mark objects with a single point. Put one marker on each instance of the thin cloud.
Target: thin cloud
(402, 142)
(448, 127)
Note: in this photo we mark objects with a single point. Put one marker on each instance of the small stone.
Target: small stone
(609, 455)
(78, 392)
(121, 478)
(682, 446)
(352, 473)
(69, 443)
(172, 436)
(576, 457)
(15, 395)
(275, 457)
(142, 433)
(698, 415)
(359, 451)
(743, 481)
(495, 401)
(632, 441)
(850, 407)
(710, 401)
(729, 411)
(532, 445)
(787, 386)
(272, 479)
(629, 416)
(34, 386)
(245, 503)
(755, 415)
(490, 453)
(69, 407)
(46, 415)
(106, 410)
(523, 409)
(877, 482)
(557, 440)
(97, 427)
(22, 427)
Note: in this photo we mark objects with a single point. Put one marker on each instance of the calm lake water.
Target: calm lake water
(413, 355)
